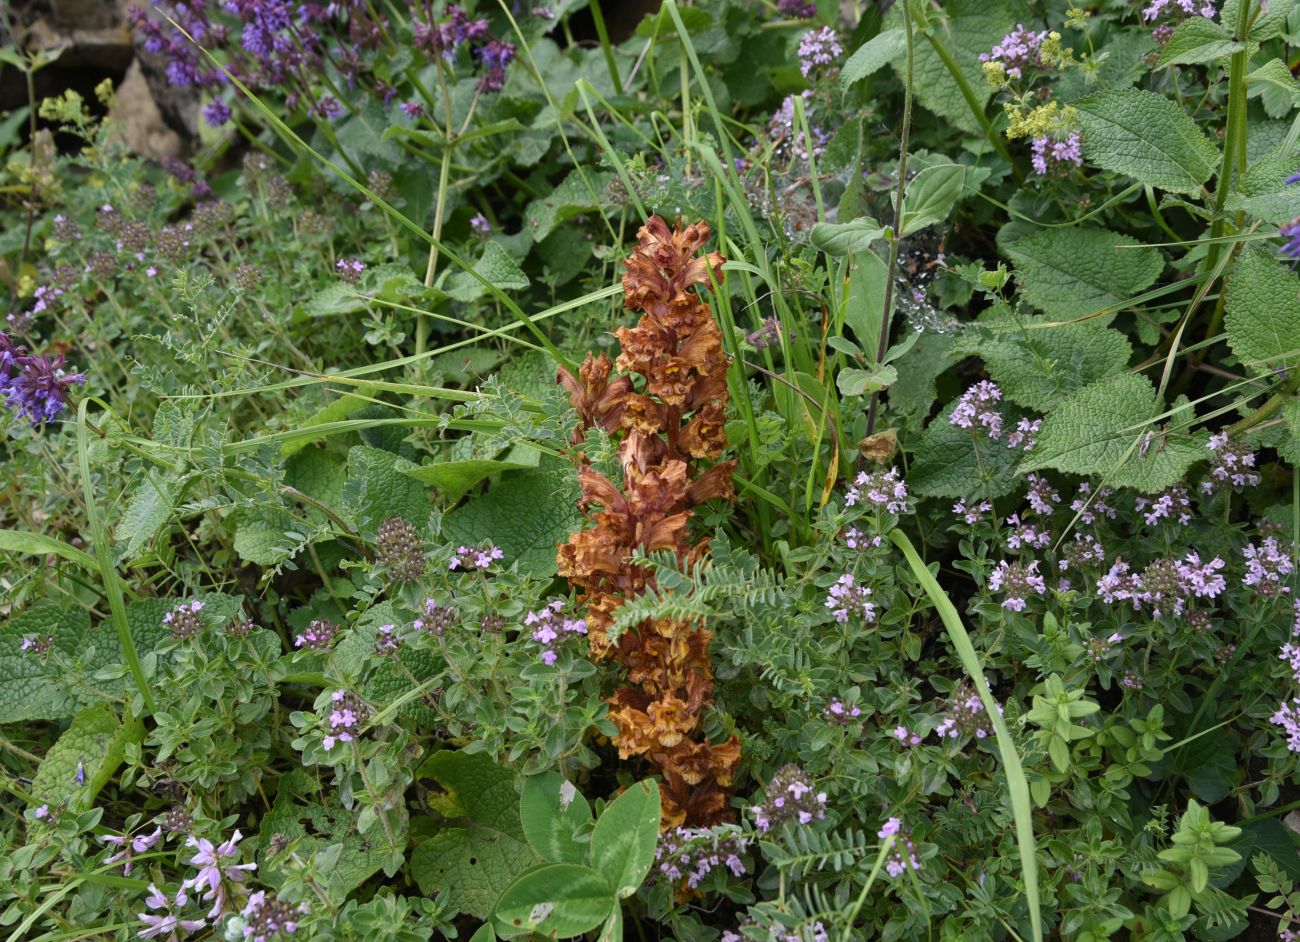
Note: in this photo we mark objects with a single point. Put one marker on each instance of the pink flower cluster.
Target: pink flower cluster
(1049, 153)
(475, 557)
(880, 489)
(549, 625)
(902, 856)
(846, 599)
(1018, 50)
(978, 408)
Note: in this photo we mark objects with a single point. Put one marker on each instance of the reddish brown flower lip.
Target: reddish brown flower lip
(668, 434)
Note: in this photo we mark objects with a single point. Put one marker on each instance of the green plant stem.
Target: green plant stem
(976, 108)
(598, 18)
(1275, 402)
(1236, 118)
(886, 318)
(1017, 784)
(104, 554)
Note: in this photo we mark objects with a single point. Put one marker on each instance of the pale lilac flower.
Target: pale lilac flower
(480, 224)
(972, 513)
(1266, 565)
(1019, 581)
(1018, 50)
(691, 854)
(168, 921)
(846, 599)
(318, 635)
(1121, 585)
(1158, 8)
(964, 715)
(1042, 496)
(902, 856)
(216, 870)
(856, 539)
(266, 918)
(906, 736)
(1051, 153)
(350, 269)
(475, 557)
(790, 797)
(818, 48)
(37, 644)
(840, 714)
(550, 624)
(1081, 551)
(1169, 504)
(41, 812)
(880, 489)
(1025, 434)
(1233, 465)
(1091, 511)
(129, 847)
(185, 620)
(436, 619)
(790, 140)
(1288, 717)
(977, 407)
(1025, 535)
(348, 713)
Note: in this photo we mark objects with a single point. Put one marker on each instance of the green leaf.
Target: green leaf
(1148, 137)
(1105, 430)
(865, 304)
(496, 266)
(1071, 273)
(526, 513)
(623, 843)
(846, 238)
(1275, 85)
(337, 410)
(148, 510)
(931, 195)
(1197, 40)
(38, 544)
(378, 487)
(855, 382)
(552, 812)
(559, 901)
(1264, 192)
(1263, 313)
(455, 478)
(874, 54)
(1269, 19)
(956, 462)
(61, 683)
(580, 192)
(485, 849)
(1038, 366)
(314, 826)
(97, 741)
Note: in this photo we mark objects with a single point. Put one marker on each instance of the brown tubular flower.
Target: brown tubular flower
(669, 434)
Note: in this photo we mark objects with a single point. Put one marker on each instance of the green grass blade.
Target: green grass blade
(1017, 784)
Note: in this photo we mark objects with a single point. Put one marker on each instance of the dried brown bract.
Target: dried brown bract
(667, 435)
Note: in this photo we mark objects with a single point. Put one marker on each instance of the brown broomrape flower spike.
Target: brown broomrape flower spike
(667, 433)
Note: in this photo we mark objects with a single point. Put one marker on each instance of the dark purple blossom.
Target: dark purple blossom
(41, 390)
(216, 113)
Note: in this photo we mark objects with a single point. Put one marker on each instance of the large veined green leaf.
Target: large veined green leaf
(1263, 313)
(1071, 273)
(1147, 137)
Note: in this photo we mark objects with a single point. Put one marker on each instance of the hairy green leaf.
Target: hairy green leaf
(1263, 313)
(1071, 273)
(1148, 137)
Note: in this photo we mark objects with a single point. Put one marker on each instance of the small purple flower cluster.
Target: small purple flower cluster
(346, 716)
(318, 636)
(167, 920)
(185, 620)
(446, 39)
(845, 599)
(1090, 507)
(398, 546)
(1159, 8)
(1165, 585)
(977, 408)
(1018, 50)
(855, 539)
(964, 715)
(350, 269)
(549, 625)
(840, 714)
(799, 9)
(1051, 153)
(1081, 551)
(36, 387)
(1234, 465)
(906, 736)
(768, 335)
(436, 619)
(1266, 566)
(1170, 504)
(1019, 581)
(265, 919)
(217, 872)
(129, 847)
(902, 856)
(1291, 232)
(1026, 535)
(817, 48)
(691, 854)
(388, 641)
(475, 557)
(37, 644)
(790, 797)
(971, 513)
(789, 140)
(1288, 717)
(879, 489)
(1099, 648)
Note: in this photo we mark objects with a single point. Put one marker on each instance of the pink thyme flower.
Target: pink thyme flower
(130, 846)
(168, 921)
(217, 872)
